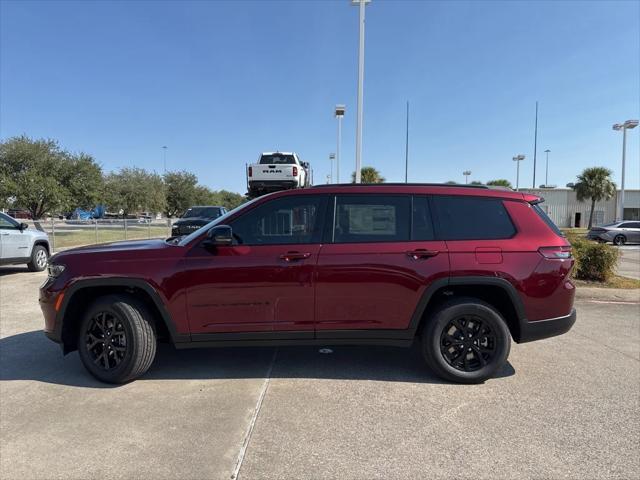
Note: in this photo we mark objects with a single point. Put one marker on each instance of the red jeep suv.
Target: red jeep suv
(462, 270)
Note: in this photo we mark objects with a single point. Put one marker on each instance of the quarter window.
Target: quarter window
(286, 220)
(472, 218)
(372, 218)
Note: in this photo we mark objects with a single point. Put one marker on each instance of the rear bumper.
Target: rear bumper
(551, 327)
(272, 184)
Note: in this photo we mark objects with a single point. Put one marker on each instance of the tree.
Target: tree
(368, 175)
(476, 182)
(450, 182)
(133, 190)
(42, 177)
(180, 190)
(594, 183)
(223, 198)
(501, 182)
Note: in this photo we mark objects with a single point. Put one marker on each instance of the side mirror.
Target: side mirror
(219, 236)
(23, 226)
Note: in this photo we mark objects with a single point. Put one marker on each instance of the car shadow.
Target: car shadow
(31, 356)
(13, 270)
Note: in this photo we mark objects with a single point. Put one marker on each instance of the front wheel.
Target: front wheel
(466, 341)
(619, 240)
(39, 257)
(117, 341)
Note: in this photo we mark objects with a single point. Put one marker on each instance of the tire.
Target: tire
(619, 240)
(39, 258)
(488, 346)
(130, 334)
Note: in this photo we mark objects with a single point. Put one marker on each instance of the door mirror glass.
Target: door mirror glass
(23, 226)
(219, 236)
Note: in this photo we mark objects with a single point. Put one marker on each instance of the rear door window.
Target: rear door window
(422, 223)
(372, 218)
(472, 218)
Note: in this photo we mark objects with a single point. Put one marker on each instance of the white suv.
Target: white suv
(18, 244)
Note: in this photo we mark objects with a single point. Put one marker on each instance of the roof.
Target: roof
(415, 188)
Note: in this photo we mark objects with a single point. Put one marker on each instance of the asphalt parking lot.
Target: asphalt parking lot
(629, 263)
(567, 407)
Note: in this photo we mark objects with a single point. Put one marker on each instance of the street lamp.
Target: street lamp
(332, 157)
(518, 159)
(546, 174)
(466, 174)
(339, 112)
(361, 4)
(629, 124)
(164, 157)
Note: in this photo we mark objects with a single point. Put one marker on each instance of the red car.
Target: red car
(462, 270)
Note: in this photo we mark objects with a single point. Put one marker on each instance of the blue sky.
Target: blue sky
(218, 82)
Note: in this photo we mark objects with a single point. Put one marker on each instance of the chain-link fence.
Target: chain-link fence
(72, 233)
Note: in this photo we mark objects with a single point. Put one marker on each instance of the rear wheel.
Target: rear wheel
(39, 257)
(619, 240)
(117, 341)
(466, 341)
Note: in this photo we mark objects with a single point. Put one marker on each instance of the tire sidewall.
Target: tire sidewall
(431, 340)
(619, 239)
(122, 371)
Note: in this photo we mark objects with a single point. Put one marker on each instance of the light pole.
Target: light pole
(339, 112)
(332, 157)
(406, 150)
(546, 172)
(518, 159)
(629, 124)
(164, 157)
(466, 174)
(361, 4)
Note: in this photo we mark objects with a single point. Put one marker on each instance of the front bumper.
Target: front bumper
(47, 302)
(539, 329)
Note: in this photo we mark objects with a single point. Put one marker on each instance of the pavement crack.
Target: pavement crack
(254, 418)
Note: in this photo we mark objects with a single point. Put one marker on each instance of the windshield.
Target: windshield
(189, 238)
(277, 159)
(207, 212)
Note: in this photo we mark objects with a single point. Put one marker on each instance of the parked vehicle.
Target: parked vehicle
(277, 171)
(618, 232)
(19, 244)
(195, 218)
(461, 270)
(19, 213)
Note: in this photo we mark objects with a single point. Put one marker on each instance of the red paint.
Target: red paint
(325, 286)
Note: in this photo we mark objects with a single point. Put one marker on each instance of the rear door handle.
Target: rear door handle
(292, 256)
(421, 253)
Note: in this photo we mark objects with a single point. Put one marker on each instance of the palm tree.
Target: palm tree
(500, 182)
(368, 175)
(594, 183)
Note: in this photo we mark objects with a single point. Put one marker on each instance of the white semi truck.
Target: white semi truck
(277, 171)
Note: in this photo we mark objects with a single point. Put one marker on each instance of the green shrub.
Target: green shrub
(594, 261)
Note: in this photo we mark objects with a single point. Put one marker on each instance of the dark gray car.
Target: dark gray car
(619, 232)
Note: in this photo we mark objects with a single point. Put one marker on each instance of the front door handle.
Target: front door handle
(421, 253)
(292, 256)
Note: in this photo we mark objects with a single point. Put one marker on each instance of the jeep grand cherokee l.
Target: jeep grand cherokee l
(460, 270)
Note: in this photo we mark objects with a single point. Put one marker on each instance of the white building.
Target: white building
(565, 210)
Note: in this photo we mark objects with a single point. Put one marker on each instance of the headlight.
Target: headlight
(55, 270)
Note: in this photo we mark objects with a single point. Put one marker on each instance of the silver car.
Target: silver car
(619, 232)
(19, 244)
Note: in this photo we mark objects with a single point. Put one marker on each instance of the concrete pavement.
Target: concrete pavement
(629, 262)
(566, 407)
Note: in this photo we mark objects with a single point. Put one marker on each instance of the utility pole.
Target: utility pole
(535, 147)
(406, 150)
(628, 125)
(518, 159)
(361, 4)
(546, 170)
(339, 113)
(466, 174)
(164, 157)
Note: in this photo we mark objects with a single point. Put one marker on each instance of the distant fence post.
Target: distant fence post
(124, 217)
(149, 227)
(53, 234)
(95, 220)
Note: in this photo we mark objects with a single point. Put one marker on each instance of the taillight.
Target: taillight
(250, 171)
(556, 253)
(295, 171)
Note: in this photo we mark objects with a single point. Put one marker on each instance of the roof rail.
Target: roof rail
(399, 184)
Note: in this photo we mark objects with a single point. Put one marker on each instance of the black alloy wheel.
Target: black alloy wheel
(468, 343)
(106, 340)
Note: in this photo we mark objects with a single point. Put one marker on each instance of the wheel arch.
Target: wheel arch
(498, 292)
(80, 295)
